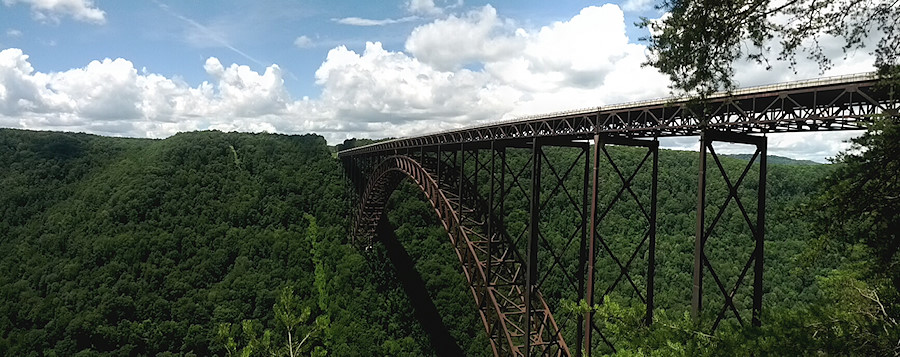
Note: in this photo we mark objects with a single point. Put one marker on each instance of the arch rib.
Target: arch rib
(501, 306)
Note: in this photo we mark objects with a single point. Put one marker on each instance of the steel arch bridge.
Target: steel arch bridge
(467, 176)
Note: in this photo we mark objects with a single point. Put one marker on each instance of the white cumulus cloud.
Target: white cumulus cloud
(458, 70)
(52, 10)
(358, 21)
(303, 42)
(457, 41)
(425, 7)
(637, 5)
(380, 85)
(584, 61)
(111, 97)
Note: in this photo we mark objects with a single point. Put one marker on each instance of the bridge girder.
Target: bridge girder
(468, 188)
(826, 105)
(470, 195)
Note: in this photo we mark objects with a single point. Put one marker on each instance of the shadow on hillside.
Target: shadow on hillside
(412, 283)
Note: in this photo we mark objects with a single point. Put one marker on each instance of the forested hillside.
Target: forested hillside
(211, 243)
(141, 247)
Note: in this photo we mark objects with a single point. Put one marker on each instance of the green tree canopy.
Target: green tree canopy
(697, 43)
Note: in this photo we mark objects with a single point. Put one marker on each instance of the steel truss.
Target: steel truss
(847, 104)
(522, 321)
(504, 283)
(704, 230)
(469, 188)
(599, 244)
(472, 184)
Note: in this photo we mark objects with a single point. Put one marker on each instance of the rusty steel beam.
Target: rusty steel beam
(583, 245)
(505, 284)
(592, 249)
(491, 264)
(704, 230)
(623, 259)
(760, 236)
(651, 254)
(532, 247)
(699, 241)
(844, 104)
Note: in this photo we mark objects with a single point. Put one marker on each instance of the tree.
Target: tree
(253, 343)
(861, 202)
(286, 313)
(697, 43)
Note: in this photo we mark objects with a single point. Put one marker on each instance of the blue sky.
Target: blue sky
(338, 68)
(174, 38)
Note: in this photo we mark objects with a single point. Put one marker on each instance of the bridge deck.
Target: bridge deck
(467, 178)
(836, 103)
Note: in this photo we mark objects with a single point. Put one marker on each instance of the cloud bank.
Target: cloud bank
(460, 69)
(52, 10)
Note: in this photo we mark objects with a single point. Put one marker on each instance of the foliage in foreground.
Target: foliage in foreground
(699, 42)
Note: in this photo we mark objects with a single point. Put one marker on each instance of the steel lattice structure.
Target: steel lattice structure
(467, 177)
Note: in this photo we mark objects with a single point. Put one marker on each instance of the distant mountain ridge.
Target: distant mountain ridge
(775, 159)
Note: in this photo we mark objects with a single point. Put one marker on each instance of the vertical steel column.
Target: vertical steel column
(757, 229)
(651, 254)
(439, 165)
(460, 163)
(501, 205)
(589, 291)
(582, 255)
(490, 239)
(478, 168)
(501, 219)
(699, 241)
(474, 203)
(533, 236)
(760, 233)
(456, 161)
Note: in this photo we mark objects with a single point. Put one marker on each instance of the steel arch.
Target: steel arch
(502, 318)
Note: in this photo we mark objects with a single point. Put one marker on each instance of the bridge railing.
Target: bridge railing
(770, 88)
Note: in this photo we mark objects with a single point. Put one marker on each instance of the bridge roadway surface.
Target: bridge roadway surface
(835, 103)
(450, 167)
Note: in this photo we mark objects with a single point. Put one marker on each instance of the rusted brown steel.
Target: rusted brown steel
(651, 248)
(760, 235)
(704, 230)
(513, 309)
(646, 243)
(697, 293)
(533, 232)
(505, 320)
(558, 184)
(841, 105)
(508, 275)
(592, 249)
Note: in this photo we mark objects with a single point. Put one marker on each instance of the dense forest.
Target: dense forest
(183, 246)
(211, 243)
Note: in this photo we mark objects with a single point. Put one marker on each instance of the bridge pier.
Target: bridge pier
(598, 242)
(481, 228)
(704, 230)
(533, 233)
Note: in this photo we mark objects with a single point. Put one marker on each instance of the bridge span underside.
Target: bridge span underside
(492, 187)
